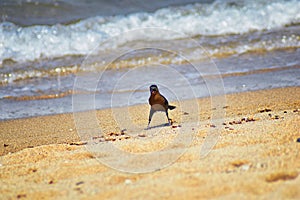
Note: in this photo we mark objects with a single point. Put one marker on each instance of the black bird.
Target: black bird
(158, 103)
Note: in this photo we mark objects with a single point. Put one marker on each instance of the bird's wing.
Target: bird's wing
(166, 101)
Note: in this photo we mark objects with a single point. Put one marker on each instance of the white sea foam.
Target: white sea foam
(23, 44)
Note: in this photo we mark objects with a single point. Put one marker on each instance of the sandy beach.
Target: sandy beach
(256, 157)
(74, 89)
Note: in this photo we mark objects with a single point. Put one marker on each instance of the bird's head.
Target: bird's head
(153, 89)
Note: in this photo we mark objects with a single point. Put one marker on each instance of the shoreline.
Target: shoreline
(256, 156)
(54, 124)
(19, 101)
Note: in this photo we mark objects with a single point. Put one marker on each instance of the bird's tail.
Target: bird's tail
(171, 107)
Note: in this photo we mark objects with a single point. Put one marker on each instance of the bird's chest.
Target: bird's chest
(156, 99)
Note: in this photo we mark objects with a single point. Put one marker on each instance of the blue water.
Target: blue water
(218, 19)
(45, 45)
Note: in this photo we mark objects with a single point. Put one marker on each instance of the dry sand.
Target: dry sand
(256, 157)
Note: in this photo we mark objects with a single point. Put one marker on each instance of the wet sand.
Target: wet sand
(256, 157)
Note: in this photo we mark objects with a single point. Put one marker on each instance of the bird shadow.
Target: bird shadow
(157, 126)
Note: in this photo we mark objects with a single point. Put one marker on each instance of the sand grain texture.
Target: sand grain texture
(256, 157)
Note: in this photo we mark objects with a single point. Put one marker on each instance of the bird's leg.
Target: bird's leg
(150, 116)
(169, 120)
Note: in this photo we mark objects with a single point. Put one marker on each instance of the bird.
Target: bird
(158, 103)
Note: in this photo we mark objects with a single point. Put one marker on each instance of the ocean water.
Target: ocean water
(52, 51)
